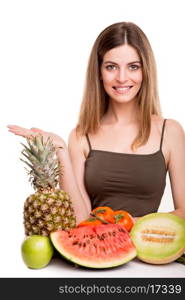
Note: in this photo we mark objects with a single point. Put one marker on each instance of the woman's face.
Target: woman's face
(121, 72)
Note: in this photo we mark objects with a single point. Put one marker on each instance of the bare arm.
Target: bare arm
(76, 153)
(176, 139)
(68, 183)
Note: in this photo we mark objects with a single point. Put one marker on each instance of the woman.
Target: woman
(121, 149)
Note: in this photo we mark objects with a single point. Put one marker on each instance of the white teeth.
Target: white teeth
(123, 88)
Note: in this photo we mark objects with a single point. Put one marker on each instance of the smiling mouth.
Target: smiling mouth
(122, 90)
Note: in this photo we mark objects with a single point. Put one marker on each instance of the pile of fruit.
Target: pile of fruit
(157, 238)
(106, 239)
(101, 241)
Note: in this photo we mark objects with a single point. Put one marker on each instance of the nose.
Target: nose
(122, 74)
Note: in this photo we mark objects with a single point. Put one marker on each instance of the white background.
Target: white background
(44, 48)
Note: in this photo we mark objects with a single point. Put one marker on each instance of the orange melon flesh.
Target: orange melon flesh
(159, 238)
(100, 246)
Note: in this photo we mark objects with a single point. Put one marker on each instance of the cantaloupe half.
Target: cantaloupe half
(159, 238)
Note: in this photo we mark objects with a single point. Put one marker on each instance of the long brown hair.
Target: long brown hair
(95, 100)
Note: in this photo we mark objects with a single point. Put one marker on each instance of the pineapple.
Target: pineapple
(49, 208)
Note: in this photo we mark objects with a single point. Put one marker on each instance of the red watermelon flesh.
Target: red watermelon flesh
(100, 246)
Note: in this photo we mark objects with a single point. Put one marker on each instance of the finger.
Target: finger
(14, 127)
(17, 130)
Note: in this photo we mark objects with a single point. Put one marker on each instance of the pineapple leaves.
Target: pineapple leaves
(42, 161)
(29, 165)
(39, 143)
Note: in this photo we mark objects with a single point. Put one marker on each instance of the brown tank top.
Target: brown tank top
(126, 181)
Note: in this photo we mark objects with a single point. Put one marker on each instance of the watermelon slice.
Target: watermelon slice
(100, 246)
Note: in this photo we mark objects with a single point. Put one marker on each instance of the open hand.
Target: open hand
(30, 133)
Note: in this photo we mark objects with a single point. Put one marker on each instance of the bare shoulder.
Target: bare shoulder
(171, 127)
(174, 125)
(174, 131)
(77, 141)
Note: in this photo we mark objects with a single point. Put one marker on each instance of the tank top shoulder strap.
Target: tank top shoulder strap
(162, 134)
(88, 141)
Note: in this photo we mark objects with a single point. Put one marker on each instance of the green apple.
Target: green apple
(37, 251)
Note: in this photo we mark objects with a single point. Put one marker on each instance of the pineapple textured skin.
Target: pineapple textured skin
(45, 212)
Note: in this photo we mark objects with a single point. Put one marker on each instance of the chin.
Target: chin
(122, 99)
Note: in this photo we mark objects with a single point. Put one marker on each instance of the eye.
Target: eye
(110, 67)
(134, 67)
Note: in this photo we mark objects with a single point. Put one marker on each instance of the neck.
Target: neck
(122, 113)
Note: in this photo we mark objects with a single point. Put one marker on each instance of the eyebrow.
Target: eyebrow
(130, 63)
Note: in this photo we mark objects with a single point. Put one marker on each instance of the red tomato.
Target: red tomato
(104, 214)
(89, 222)
(124, 218)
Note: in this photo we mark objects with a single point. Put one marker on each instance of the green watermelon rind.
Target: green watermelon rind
(101, 263)
(156, 254)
